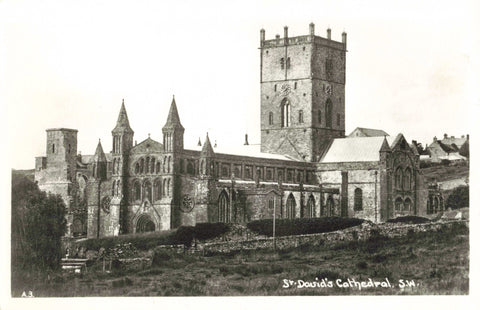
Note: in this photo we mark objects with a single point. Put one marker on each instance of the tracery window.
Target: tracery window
(291, 204)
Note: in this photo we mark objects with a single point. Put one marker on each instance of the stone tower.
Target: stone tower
(122, 136)
(172, 146)
(302, 82)
(56, 172)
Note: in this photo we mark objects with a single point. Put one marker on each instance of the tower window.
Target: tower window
(270, 118)
(288, 63)
(53, 148)
(282, 63)
(266, 52)
(329, 68)
(300, 116)
(304, 48)
(338, 119)
(295, 85)
(285, 113)
(69, 148)
(328, 113)
(319, 116)
(275, 87)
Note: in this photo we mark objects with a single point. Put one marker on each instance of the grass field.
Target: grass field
(436, 262)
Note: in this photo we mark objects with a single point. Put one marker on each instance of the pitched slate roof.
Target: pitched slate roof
(357, 149)
(244, 150)
(173, 119)
(367, 132)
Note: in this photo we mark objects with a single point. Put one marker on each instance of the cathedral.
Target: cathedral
(304, 166)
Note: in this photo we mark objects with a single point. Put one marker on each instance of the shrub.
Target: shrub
(458, 198)
(204, 231)
(300, 226)
(410, 219)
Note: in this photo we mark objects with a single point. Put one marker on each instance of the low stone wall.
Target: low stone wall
(361, 232)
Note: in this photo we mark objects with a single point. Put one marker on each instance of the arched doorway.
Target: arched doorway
(145, 224)
(398, 204)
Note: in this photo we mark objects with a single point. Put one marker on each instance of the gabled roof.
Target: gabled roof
(173, 119)
(359, 149)
(147, 145)
(367, 132)
(122, 121)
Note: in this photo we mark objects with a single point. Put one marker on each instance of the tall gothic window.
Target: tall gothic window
(319, 116)
(328, 113)
(147, 165)
(223, 208)
(142, 163)
(282, 63)
(288, 63)
(407, 180)
(407, 206)
(53, 148)
(285, 113)
(168, 188)
(398, 178)
(147, 190)
(291, 204)
(398, 204)
(358, 200)
(270, 118)
(158, 189)
(310, 208)
(152, 168)
(137, 190)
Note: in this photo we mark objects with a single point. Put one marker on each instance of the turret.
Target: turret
(173, 130)
(206, 155)
(122, 133)
(384, 150)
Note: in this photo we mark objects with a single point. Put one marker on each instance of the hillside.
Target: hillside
(29, 174)
(445, 173)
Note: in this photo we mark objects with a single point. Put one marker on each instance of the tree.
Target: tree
(459, 198)
(38, 224)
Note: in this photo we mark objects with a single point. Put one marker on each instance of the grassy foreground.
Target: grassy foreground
(433, 263)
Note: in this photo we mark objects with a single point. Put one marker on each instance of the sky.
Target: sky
(412, 67)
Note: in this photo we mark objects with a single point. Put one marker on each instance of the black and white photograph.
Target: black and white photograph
(239, 149)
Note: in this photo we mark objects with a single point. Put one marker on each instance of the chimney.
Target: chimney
(285, 34)
(329, 33)
(435, 139)
(215, 143)
(463, 136)
(246, 139)
(312, 29)
(453, 137)
(277, 38)
(445, 136)
(262, 36)
(468, 137)
(344, 38)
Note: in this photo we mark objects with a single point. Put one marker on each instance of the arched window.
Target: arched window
(137, 190)
(330, 206)
(113, 188)
(435, 205)
(53, 148)
(223, 208)
(288, 62)
(114, 166)
(319, 116)
(398, 204)
(358, 200)
(77, 227)
(202, 167)
(117, 188)
(94, 169)
(158, 167)
(407, 180)
(285, 113)
(300, 116)
(152, 165)
(270, 118)
(190, 169)
(164, 163)
(158, 189)
(328, 113)
(164, 187)
(142, 163)
(295, 85)
(147, 165)
(168, 188)
(147, 190)
(310, 207)
(407, 206)
(168, 164)
(291, 204)
(282, 63)
(137, 168)
(398, 178)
